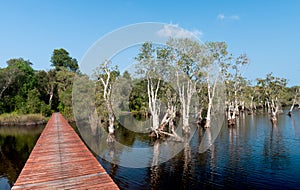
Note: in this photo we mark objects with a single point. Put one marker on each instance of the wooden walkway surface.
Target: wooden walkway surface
(60, 160)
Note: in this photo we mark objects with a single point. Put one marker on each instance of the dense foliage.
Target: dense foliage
(24, 90)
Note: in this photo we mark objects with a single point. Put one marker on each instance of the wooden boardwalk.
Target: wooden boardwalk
(60, 160)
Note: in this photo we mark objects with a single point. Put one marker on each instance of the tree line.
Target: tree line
(24, 90)
(171, 75)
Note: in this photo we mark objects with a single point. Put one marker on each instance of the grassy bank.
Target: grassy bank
(22, 119)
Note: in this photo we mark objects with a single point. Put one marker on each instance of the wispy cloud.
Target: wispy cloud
(174, 31)
(231, 17)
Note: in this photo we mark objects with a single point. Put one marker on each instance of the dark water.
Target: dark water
(16, 144)
(252, 155)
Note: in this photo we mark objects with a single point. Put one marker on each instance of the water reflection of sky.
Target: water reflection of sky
(4, 185)
(249, 156)
(252, 155)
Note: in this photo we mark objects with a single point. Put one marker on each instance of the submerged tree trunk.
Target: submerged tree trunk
(111, 121)
(111, 129)
(251, 108)
(242, 103)
(208, 115)
(231, 115)
(268, 106)
(168, 119)
(292, 106)
(274, 111)
(199, 116)
(107, 98)
(211, 94)
(153, 104)
(185, 95)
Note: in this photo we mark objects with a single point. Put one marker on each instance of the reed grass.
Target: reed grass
(22, 119)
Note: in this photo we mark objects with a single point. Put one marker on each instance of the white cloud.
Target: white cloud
(221, 16)
(174, 31)
(232, 17)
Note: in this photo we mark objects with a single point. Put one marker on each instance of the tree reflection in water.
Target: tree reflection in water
(16, 144)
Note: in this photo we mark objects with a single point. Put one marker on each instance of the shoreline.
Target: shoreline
(13, 119)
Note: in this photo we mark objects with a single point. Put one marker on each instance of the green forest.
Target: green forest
(24, 90)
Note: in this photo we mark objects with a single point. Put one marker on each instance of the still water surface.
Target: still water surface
(16, 144)
(252, 155)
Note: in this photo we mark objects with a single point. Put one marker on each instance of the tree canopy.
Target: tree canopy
(61, 58)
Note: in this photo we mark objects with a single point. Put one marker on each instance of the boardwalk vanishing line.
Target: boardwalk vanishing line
(60, 160)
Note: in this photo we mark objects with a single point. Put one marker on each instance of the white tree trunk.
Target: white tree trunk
(185, 95)
(111, 128)
(274, 111)
(231, 114)
(293, 104)
(153, 104)
(211, 94)
(208, 115)
(155, 121)
(106, 95)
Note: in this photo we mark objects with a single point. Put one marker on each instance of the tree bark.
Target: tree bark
(107, 98)
(294, 101)
(154, 108)
(211, 94)
(185, 95)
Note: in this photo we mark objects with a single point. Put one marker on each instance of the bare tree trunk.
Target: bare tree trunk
(243, 106)
(211, 94)
(231, 114)
(236, 105)
(50, 92)
(200, 115)
(294, 101)
(106, 95)
(50, 100)
(268, 106)
(208, 115)
(274, 112)
(168, 120)
(185, 95)
(153, 104)
(251, 108)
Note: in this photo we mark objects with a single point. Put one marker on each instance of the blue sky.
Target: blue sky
(268, 31)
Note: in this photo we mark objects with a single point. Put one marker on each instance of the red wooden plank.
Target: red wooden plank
(60, 160)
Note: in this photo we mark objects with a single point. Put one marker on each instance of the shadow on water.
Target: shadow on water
(16, 144)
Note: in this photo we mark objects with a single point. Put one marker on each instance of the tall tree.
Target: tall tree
(26, 79)
(188, 55)
(294, 100)
(214, 64)
(61, 58)
(106, 75)
(64, 80)
(150, 68)
(272, 89)
(236, 85)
